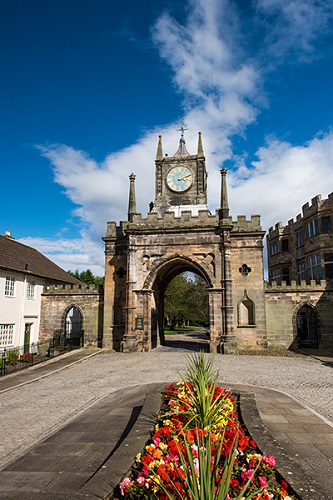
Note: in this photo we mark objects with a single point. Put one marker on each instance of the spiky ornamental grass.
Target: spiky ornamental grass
(197, 451)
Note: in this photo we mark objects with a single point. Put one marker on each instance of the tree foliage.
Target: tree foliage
(87, 277)
(186, 300)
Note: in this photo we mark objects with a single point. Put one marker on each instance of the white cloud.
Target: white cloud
(221, 87)
(283, 179)
(295, 26)
(71, 254)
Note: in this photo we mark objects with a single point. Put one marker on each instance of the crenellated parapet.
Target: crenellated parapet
(185, 221)
(308, 210)
(303, 286)
(244, 225)
(73, 289)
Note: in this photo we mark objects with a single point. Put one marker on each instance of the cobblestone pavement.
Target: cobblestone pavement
(31, 412)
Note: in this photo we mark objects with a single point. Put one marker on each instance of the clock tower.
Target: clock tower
(181, 179)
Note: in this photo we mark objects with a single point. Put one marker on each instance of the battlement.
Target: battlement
(278, 230)
(295, 287)
(186, 220)
(244, 225)
(72, 289)
(317, 204)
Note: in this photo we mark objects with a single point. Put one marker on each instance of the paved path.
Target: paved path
(32, 411)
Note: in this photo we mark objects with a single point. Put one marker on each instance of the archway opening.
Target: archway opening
(307, 327)
(73, 326)
(181, 301)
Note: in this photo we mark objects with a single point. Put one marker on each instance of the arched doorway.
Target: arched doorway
(163, 276)
(73, 326)
(307, 327)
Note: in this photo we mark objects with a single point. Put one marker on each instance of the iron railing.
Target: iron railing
(13, 359)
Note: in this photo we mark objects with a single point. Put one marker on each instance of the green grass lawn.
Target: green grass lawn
(182, 329)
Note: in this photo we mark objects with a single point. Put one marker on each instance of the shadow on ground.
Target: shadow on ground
(189, 341)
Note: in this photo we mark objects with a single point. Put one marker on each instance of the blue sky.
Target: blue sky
(86, 88)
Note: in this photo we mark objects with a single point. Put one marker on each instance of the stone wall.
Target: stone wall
(144, 254)
(58, 300)
(283, 303)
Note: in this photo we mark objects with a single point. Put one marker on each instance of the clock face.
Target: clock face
(179, 178)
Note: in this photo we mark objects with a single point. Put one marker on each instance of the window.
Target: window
(286, 275)
(275, 247)
(285, 245)
(6, 335)
(299, 239)
(9, 286)
(328, 259)
(326, 224)
(31, 289)
(301, 272)
(312, 228)
(276, 276)
(313, 267)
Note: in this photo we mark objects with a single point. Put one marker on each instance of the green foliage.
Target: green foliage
(205, 408)
(203, 478)
(186, 299)
(12, 356)
(87, 277)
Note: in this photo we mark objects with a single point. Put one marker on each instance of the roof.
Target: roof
(15, 256)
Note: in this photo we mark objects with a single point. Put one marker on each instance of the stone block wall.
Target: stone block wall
(282, 304)
(58, 300)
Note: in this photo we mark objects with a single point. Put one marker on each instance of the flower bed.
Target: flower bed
(199, 449)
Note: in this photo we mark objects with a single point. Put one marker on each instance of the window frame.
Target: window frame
(10, 286)
(313, 267)
(31, 290)
(276, 275)
(6, 331)
(312, 228)
(326, 224)
(275, 247)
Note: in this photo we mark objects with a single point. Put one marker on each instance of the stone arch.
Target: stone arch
(72, 323)
(157, 281)
(246, 311)
(179, 264)
(306, 325)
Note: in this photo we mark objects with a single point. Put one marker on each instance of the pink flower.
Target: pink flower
(247, 474)
(269, 460)
(157, 441)
(124, 485)
(262, 481)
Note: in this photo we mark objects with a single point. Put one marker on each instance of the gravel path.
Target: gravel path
(30, 412)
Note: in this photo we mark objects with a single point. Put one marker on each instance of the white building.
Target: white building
(24, 272)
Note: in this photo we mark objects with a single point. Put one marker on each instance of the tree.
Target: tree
(87, 277)
(186, 299)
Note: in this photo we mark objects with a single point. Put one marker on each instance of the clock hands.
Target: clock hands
(184, 177)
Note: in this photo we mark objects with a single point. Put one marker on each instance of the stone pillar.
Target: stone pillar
(109, 286)
(215, 314)
(129, 343)
(230, 345)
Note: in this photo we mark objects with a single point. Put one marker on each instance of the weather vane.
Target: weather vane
(183, 127)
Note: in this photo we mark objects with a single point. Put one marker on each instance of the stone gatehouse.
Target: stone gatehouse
(144, 253)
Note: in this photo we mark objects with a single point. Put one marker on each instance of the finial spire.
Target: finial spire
(224, 209)
(159, 154)
(182, 151)
(200, 148)
(131, 201)
(182, 129)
